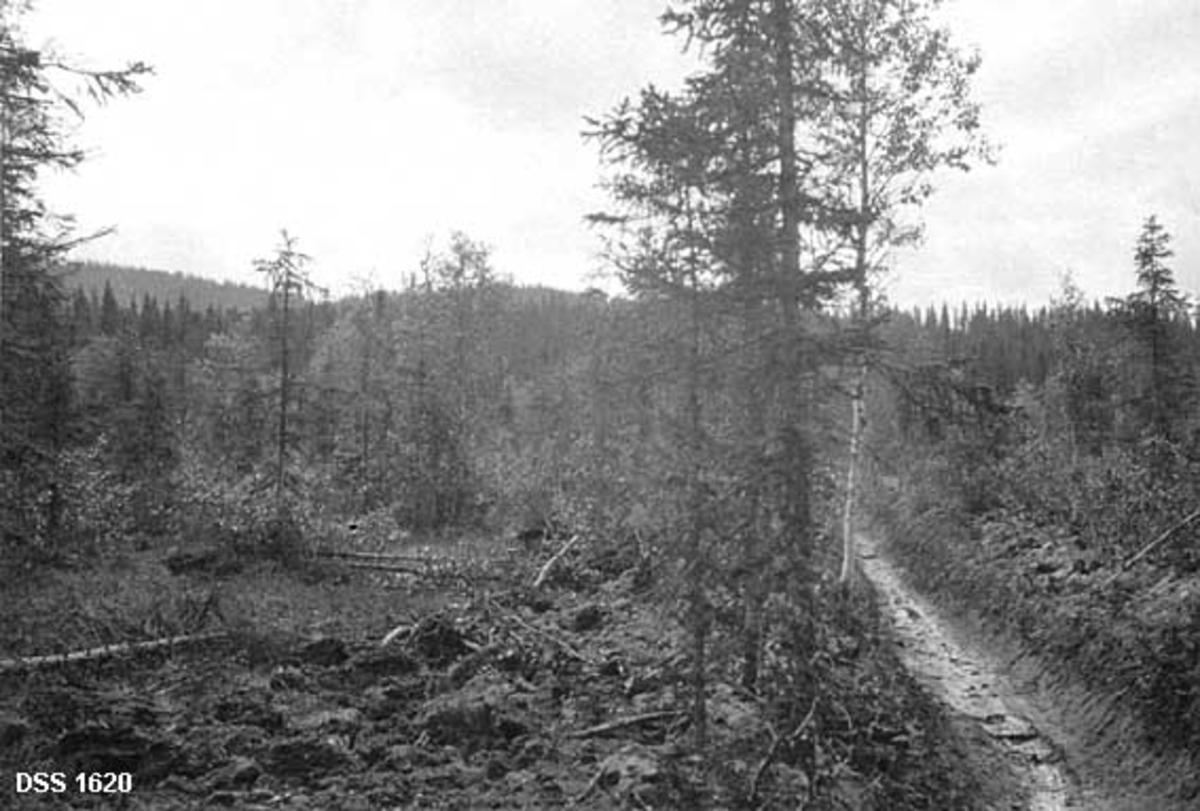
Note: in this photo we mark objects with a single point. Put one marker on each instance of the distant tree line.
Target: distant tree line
(166, 323)
(135, 283)
(1080, 413)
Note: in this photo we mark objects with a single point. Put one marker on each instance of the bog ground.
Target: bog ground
(488, 694)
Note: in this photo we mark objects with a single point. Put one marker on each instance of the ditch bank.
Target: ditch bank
(972, 684)
(1074, 719)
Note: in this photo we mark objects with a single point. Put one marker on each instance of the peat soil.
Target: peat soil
(1047, 732)
(472, 700)
(424, 683)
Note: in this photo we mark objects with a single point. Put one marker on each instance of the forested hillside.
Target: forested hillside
(466, 543)
(134, 285)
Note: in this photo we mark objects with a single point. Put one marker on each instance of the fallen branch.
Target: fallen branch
(622, 723)
(465, 668)
(369, 556)
(591, 786)
(383, 567)
(761, 769)
(559, 643)
(545, 572)
(104, 651)
(404, 629)
(1150, 547)
(770, 756)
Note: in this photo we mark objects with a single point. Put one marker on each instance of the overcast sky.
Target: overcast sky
(365, 126)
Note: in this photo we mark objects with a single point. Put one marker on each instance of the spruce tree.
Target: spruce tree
(287, 281)
(1152, 314)
(781, 171)
(34, 343)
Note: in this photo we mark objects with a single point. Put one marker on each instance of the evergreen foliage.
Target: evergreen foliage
(35, 408)
(749, 203)
(1153, 314)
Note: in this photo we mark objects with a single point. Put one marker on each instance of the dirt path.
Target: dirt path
(974, 683)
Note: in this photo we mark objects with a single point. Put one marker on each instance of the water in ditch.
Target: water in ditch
(974, 684)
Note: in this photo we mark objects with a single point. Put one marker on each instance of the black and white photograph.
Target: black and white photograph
(758, 405)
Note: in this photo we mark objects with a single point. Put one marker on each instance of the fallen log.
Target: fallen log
(103, 652)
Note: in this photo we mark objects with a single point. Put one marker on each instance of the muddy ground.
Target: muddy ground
(450, 714)
(450, 683)
(1071, 748)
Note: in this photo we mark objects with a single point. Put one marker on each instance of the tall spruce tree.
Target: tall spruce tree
(665, 158)
(1152, 313)
(287, 281)
(791, 155)
(714, 196)
(34, 373)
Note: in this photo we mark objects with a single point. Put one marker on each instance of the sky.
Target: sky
(368, 128)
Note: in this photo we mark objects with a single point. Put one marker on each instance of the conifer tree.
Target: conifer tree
(287, 280)
(792, 154)
(34, 374)
(1152, 314)
(110, 313)
(661, 252)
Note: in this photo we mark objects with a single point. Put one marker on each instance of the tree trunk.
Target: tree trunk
(861, 268)
(794, 393)
(789, 270)
(857, 423)
(756, 549)
(281, 449)
(4, 388)
(698, 602)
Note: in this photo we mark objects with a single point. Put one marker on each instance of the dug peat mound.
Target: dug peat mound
(1111, 661)
(364, 689)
